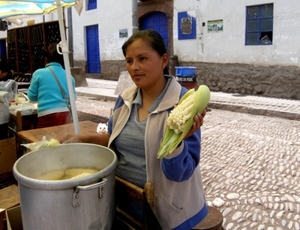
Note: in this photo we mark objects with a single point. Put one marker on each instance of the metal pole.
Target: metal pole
(134, 17)
(65, 52)
(70, 36)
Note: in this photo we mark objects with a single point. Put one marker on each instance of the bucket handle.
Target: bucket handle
(99, 185)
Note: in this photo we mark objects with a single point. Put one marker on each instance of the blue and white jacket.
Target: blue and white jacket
(178, 190)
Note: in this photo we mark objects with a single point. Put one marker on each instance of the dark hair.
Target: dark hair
(154, 39)
(4, 67)
(52, 55)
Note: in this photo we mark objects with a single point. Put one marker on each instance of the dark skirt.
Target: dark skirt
(54, 119)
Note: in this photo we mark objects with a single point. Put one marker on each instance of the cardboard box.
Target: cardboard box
(14, 218)
(3, 225)
(9, 198)
(8, 154)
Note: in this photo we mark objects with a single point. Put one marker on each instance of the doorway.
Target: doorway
(156, 21)
(93, 49)
(3, 50)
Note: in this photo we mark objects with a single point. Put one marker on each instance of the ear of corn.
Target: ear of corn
(55, 175)
(181, 118)
(53, 142)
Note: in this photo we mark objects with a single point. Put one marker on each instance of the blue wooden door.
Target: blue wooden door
(93, 49)
(2, 49)
(156, 21)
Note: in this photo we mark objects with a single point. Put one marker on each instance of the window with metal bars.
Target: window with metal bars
(259, 25)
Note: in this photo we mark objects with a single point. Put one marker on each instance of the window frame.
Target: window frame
(260, 33)
(91, 4)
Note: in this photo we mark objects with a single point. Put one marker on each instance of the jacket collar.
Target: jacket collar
(170, 98)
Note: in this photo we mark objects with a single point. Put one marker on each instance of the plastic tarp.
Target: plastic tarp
(8, 91)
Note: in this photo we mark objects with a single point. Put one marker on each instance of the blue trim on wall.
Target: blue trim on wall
(181, 34)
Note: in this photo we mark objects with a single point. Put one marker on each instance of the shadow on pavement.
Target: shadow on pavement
(82, 116)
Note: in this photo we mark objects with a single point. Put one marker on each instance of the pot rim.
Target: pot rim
(69, 183)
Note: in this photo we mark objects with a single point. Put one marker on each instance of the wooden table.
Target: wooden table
(56, 132)
(19, 122)
(22, 85)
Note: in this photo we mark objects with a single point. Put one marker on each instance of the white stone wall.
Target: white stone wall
(111, 16)
(228, 46)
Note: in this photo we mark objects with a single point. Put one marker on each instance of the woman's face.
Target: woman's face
(144, 64)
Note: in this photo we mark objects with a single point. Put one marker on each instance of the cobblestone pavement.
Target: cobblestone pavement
(93, 109)
(250, 166)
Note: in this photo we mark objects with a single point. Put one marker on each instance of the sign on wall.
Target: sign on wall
(123, 33)
(186, 26)
(215, 26)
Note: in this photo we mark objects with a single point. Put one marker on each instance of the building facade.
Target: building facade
(243, 47)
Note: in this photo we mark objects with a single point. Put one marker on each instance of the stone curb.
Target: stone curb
(217, 105)
(100, 97)
(264, 112)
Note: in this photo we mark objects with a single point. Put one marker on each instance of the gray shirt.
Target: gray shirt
(130, 144)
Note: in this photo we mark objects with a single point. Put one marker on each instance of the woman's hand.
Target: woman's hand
(198, 122)
(71, 138)
(101, 138)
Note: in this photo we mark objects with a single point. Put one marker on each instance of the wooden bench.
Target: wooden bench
(128, 191)
(213, 220)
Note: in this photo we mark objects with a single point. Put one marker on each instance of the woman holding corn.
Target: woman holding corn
(137, 127)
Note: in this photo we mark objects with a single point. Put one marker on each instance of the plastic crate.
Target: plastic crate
(185, 71)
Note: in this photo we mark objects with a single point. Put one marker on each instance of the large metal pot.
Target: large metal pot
(80, 203)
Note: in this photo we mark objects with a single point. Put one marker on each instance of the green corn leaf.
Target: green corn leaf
(171, 140)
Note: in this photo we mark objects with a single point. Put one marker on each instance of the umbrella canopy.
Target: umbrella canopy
(27, 7)
(14, 11)
(14, 8)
